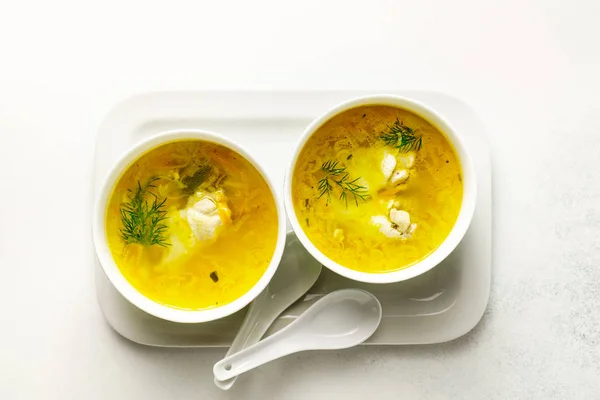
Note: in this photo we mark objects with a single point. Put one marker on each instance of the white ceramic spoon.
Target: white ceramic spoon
(296, 274)
(339, 320)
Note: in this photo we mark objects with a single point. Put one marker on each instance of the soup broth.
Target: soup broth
(377, 188)
(192, 225)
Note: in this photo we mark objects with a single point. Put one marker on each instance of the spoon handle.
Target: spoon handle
(252, 330)
(269, 349)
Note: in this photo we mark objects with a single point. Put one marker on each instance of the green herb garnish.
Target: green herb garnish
(341, 178)
(401, 137)
(143, 219)
(192, 182)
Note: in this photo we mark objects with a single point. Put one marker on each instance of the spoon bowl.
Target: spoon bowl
(346, 319)
(341, 319)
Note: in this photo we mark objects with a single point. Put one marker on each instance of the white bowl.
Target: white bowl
(114, 274)
(464, 217)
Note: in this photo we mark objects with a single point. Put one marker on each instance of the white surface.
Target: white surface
(530, 68)
(341, 319)
(438, 306)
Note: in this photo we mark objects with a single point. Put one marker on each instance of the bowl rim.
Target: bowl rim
(112, 271)
(469, 189)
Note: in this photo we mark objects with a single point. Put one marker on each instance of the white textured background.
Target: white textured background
(530, 68)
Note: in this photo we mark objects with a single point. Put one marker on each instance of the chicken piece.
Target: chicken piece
(388, 164)
(401, 219)
(397, 226)
(399, 176)
(206, 215)
(205, 206)
(338, 235)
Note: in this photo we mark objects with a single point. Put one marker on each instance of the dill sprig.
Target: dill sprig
(348, 187)
(142, 219)
(402, 137)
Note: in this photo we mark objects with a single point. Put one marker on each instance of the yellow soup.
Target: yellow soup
(377, 188)
(192, 225)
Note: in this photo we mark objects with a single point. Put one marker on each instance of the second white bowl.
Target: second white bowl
(464, 217)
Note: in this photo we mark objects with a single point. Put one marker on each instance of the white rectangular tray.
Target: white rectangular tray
(439, 306)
